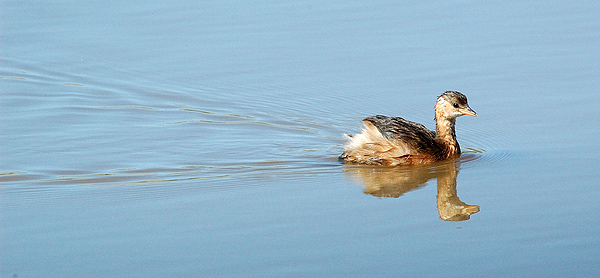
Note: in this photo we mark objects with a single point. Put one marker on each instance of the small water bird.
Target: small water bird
(394, 141)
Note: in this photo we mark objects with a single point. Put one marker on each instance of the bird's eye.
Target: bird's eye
(455, 105)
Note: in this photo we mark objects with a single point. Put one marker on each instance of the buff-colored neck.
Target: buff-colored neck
(446, 133)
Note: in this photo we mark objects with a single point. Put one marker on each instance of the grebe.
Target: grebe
(395, 141)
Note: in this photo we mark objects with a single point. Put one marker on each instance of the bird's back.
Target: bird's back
(392, 141)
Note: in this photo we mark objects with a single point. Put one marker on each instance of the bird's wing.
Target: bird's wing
(416, 136)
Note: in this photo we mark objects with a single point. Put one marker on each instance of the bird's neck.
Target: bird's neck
(447, 135)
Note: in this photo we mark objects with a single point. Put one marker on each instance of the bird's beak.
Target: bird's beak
(468, 111)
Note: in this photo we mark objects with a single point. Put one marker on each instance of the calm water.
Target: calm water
(201, 139)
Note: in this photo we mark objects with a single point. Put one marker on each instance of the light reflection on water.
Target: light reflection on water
(397, 181)
(203, 139)
(266, 135)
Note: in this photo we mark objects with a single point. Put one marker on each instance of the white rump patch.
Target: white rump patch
(370, 144)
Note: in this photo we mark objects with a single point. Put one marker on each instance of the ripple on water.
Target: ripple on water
(303, 138)
(481, 146)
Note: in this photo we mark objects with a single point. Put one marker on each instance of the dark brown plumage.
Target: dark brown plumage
(396, 141)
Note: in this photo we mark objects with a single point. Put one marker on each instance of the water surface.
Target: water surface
(199, 139)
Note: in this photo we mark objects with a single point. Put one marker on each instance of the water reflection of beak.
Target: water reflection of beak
(468, 111)
(470, 209)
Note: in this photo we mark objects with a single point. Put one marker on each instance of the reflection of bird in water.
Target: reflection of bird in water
(395, 181)
(396, 141)
(450, 207)
(390, 181)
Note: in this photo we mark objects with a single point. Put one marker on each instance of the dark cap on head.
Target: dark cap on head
(455, 96)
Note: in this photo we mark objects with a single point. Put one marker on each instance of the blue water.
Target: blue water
(201, 139)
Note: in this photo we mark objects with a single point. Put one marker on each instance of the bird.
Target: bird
(392, 141)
